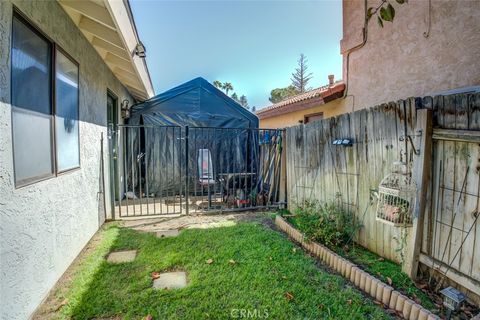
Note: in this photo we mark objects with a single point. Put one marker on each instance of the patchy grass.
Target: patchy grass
(269, 275)
(386, 270)
(69, 291)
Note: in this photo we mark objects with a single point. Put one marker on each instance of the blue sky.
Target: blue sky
(252, 44)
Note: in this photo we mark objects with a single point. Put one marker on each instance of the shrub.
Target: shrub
(326, 223)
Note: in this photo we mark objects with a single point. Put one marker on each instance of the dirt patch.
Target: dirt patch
(203, 221)
(54, 302)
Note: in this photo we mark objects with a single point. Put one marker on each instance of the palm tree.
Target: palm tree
(243, 101)
(235, 97)
(227, 86)
(218, 84)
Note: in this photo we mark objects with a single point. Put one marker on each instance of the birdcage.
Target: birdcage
(396, 197)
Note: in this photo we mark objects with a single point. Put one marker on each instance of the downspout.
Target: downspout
(349, 51)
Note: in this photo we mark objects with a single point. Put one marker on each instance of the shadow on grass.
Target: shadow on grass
(253, 269)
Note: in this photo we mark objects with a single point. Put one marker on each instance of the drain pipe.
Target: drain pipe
(359, 46)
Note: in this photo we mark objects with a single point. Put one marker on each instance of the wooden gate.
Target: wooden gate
(451, 232)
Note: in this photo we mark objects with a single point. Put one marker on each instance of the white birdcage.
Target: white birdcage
(396, 197)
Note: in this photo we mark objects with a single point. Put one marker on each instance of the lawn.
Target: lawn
(268, 276)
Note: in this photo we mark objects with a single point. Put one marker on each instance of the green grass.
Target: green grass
(267, 266)
(382, 269)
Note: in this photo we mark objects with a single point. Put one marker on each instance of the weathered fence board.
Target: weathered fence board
(350, 175)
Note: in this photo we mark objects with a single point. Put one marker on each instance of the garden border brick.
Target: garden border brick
(368, 283)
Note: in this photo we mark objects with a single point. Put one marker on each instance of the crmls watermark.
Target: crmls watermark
(249, 314)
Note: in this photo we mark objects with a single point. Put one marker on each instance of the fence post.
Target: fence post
(421, 175)
(186, 170)
(283, 170)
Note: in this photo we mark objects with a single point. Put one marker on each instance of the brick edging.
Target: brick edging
(369, 284)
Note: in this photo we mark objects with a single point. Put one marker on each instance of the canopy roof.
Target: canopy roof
(195, 103)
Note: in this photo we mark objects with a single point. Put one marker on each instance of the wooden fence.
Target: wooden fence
(350, 175)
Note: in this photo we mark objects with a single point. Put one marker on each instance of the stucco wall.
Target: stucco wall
(399, 62)
(331, 109)
(45, 225)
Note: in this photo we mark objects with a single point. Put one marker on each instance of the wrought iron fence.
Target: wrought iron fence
(181, 170)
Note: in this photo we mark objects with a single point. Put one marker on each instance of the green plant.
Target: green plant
(326, 223)
(384, 11)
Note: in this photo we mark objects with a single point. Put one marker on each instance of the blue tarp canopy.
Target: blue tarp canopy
(195, 103)
(216, 123)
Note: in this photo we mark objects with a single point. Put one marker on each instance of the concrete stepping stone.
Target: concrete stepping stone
(171, 280)
(122, 256)
(167, 233)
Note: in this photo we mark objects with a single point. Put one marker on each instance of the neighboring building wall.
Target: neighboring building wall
(399, 62)
(45, 225)
(330, 109)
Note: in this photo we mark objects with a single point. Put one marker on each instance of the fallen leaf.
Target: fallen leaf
(270, 258)
(155, 275)
(381, 259)
(289, 296)
(283, 277)
(349, 301)
(231, 261)
(149, 317)
(209, 261)
(389, 280)
(294, 250)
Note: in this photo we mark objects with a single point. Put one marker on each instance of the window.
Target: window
(66, 113)
(34, 123)
(313, 117)
(31, 104)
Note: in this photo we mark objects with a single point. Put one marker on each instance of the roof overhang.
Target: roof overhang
(109, 27)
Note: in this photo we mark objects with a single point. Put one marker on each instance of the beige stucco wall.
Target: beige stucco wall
(398, 61)
(329, 109)
(44, 226)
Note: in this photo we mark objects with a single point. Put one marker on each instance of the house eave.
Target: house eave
(109, 27)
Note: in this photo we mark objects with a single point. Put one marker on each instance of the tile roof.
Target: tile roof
(299, 101)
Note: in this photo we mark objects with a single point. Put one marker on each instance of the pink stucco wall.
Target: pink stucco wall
(398, 61)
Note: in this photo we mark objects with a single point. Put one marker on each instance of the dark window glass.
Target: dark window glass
(31, 104)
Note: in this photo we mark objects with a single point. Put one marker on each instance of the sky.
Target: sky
(254, 45)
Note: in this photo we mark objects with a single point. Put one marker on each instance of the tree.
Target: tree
(243, 101)
(235, 97)
(227, 86)
(300, 77)
(279, 94)
(218, 84)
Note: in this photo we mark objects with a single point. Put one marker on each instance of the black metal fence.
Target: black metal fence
(181, 170)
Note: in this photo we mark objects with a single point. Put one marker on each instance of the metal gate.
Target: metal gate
(172, 170)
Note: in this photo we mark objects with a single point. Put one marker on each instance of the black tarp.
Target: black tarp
(155, 136)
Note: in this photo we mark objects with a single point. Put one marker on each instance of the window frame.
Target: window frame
(17, 14)
(306, 117)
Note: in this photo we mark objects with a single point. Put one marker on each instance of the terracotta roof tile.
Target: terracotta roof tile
(319, 93)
